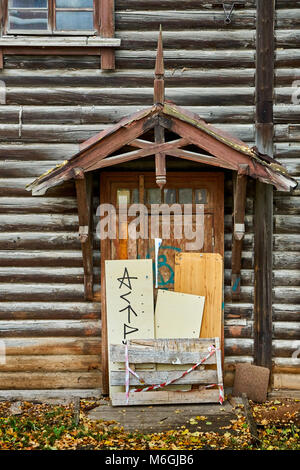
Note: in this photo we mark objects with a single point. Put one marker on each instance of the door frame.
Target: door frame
(106, 179)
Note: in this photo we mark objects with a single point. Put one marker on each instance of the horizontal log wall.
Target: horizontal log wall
(286, 307)
(55, 102)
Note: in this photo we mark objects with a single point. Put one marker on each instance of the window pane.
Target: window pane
(28, 3)
(154, 196)
(74, 4)
(185, 196)
(201, 196)
(23, 19)
(170, 196)
(74, 20)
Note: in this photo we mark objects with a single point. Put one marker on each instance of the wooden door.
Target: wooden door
(182, 188)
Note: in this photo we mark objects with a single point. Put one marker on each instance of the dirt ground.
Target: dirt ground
(277, 412)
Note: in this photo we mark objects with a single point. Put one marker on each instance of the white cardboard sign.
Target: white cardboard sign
(129, 301)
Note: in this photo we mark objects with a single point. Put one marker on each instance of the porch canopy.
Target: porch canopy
(195, 140)
(221, 149)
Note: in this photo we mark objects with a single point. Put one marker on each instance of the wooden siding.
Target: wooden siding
(286, 255)
(55, 102)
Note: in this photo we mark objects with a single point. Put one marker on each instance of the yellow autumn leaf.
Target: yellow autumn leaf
(193, 421)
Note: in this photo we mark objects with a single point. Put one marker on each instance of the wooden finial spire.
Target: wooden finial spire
(159, 84)
(159, 64)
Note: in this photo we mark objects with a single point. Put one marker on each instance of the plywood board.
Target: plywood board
(129, 301)
(202, 274)
(178, 315)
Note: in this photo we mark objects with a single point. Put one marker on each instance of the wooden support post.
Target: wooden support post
(238, 231)
(263, 212)
(105, 254)
(83, 185)
(1, 59)
(159, 97)
(107, 30)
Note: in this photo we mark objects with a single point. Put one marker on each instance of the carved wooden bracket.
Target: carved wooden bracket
(83, 183)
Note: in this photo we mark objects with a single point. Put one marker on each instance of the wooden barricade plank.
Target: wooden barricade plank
(177, 352)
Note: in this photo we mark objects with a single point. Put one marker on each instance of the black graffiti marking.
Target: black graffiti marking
(127, 278)
(125, 295)
(128, 330)
(130, 309)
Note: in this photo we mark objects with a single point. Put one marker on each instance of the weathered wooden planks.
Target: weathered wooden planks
(155, 377)
(49, 380)
(167, 397)
(164, 351)
(223, 64)
(169, 351)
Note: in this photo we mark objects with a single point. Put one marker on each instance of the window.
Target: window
(59, 17)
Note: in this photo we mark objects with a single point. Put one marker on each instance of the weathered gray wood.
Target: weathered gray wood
(250, 420)
(285, 312)
(51, 363)
(263, 245)
(45, 380)
(205, 5)
(166, 397)
(187, 351)
(127, 20)
(107, 114)
(285, 348)
(179, 59)
(19, 328)
(153, 377)
(44, 310)
(162, 418)
(67, 41)
(123, 96)
(286, 330)
(188, 40)
(52, 346)
(49, 396)
(224, 58)
(77, 76)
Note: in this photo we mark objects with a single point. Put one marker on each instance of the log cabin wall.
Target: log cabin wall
(286, 247)
(53, 103)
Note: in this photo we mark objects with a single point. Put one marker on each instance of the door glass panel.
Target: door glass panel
(135, 196)
(154, 196)
(186, 196)
(123, 196)
(170, 196)
(201, 196)
(74, 20)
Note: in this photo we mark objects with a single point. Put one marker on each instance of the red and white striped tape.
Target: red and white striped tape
(212, 350)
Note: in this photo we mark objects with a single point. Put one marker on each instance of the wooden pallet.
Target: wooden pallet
(145, 352)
